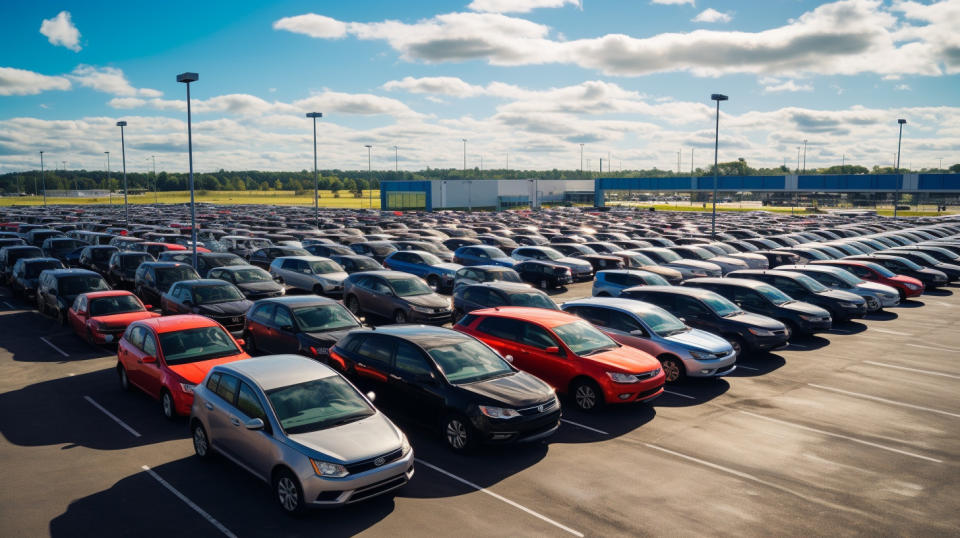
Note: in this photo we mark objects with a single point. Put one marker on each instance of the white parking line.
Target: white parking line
(189, 503)
(584, 426)
(55, 348)
(840, 436)
(500, 497)
(884, 400)
(927, 372)
(888, 331)
(748, 368)
(936, 348)
(111, 415)
(681, 395)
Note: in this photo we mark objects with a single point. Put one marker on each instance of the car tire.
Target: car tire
(201, 442)
(673, 368)
(353, 305)
(603, 294)
(88, 336)
(122, 377)
(167, 406)
(399, 317)
(318, 290)
(41, 308)
(458, 433)
(288, 493)
(433, 282)
(738, 345)
(587, 395)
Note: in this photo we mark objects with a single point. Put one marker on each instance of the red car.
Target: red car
(874, 272)
(166, 357)
(568, 353)
(100, 317)
(154, 248)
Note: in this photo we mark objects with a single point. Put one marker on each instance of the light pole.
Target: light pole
(716, 148)
(369, 173)
(899, 177)
(464, 157)
(43, 180)
(123, 149)
(798, 160)
(316, 173)
(187, 78)
(804, 155)
(156, 198)
(108, 176)
(581, 159)
(396, 159)
(843, 164)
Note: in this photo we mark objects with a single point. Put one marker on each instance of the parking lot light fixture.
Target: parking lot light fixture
(316, 173)
(43, 181)
(187, 78)
(716, 146)
(897, 176)
(123, 149)
(369, 174)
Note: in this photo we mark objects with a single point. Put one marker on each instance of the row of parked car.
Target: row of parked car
(294, 413)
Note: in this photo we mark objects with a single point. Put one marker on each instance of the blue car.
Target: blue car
(482, 255)
(438, 274)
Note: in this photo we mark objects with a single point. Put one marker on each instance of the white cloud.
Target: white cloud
(61, 31)
(712, 15)
(312, 25)
(518, 6)
(451, 86)
(774, 85)
(109, 80)
(672, 2)
(22, 82)
(902, 87)
(126, 102)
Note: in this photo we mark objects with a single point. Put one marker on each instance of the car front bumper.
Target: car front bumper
(710, 367)
(329, 492)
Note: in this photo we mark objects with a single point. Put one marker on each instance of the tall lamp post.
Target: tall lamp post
(898, 177)
(804, 155)
(716, 147)
(369, 173)
(316, 173)
(156, 197)
(581, 159)
(123, 149)
(43, 180)
(107, 153)
(396, 159)
(187, 78)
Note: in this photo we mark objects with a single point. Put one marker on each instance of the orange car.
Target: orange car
(100, 317)
(166, 357)
(569, 353)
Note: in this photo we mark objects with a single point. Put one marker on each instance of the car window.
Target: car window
(262, 313)
(289, 264)
(410, 360)
(213, 381)
(377, 349)
(503, 328)
(379, 286)
(597, 316)
(135, 337)
(282, 317)
(688, 306)
(536, 336)
(227, 388)
(620, 321)
(149, 344)
(249, 404)
(789, 287)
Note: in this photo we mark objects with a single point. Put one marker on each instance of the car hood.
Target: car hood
(625, 359)
(259, 287)
(841, 295)
(754, 261)
(431, 300)
(879, 288)
(336, 276)
(448, 267)
(758, 320)
(329, 337)
(947, 267)
(231, 308)
(700, 340)
(730, 261)
(933, 273)
(805, 308)
(572, 262)
(508, 262)
(699, 264)
(672, 275)
(368, 438)
(907, 280)
(114, 321)
(194, 372)
(518, 390)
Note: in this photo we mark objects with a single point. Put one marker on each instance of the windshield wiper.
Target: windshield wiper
(597, 350)
(350, 418)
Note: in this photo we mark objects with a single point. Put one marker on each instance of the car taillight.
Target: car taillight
(336, 358)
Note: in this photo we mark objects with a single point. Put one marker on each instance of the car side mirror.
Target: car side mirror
(371, 396)
(425, 377)
(637, 332)
(147, 306)
(553, 350)
(254, 424)
(149, 359)
(241, 342)
(508, 358)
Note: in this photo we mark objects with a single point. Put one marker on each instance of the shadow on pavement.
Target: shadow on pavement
(693, 392)
(753, 366)
(885, 315)
(847, 327)
(939, 292)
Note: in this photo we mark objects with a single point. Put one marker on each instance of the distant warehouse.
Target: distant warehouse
(496, 194)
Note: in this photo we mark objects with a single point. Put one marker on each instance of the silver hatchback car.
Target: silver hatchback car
(301, 427)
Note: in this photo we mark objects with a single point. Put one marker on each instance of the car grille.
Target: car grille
(780, 332)
(380, 487)
(366, 465)
(646, 393)
(537, 409)
(232, 323)
(647, 375)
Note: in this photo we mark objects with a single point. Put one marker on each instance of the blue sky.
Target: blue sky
(628, 79)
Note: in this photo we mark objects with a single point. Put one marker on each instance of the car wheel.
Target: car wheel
(603, 294)
(41, 308)
(433, 282)
(673, 368)
(587, 395)
(287, 489)
(792, 329)
(122, 376)
(737, 344)
(167, 406)
(201, 444)
(458, 433)
(318, 290)
(353, 305)
(399, 317)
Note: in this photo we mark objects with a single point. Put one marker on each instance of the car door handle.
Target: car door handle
(208, 405)
(235, 421)
(395, 376)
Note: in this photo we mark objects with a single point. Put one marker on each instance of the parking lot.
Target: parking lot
(852, 432)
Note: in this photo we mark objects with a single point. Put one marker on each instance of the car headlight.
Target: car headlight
(498, 412)
(849, 305)
(702, 355)
(422, 309)
(618, 377)
(283, 291)
(187, 387)
(806, 317)
(699, 273)
(405, 447)
(325, 468)
(912, 286)
(760, 332)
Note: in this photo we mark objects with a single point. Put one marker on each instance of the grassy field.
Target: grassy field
(327, 199)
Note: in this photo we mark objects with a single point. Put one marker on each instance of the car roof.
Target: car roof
(71, 272)
(107, 293)
(630, 305)
(774, 272)
(179, 322)
(197, 282)
(163, 265)
(818, 268)
(509, 287)
(733, 281)
(635, 272)
(488, 267)
(679, 290)
(383, 273)
(299, 300)
(275, 371)
(309, 258)
(548, 318)
(425, 336)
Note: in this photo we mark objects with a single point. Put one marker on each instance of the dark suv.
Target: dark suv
(153, 279)
(842, 305)
(471, 297)
(57, 289)
(401, 297)
(122, 268)
(449, 381)
(26, 274)
(308, 325)
(10, 255)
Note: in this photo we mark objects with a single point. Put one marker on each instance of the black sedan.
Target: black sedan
(218, 300)
(253, 282)
(544, 274)
(308, 325)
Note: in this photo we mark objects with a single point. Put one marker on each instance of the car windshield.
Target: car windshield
(848, 278)
(925, 257)
(324, 267)
(469, 361)
(551, 253)
(319, 318)
(637, 260)
(381, 250)
(720, 305)
(534, 299)
(318, 404)
(33, 269)
(66, 244)
(194, 345)
(881, 270)
(167, 276)
(132, 262)
(366, 264)
(583, 338)
(701, 253)
(430, 259)
(810, 284)
(430, 247)
(661, 322)
(652, 279)
(775, 296)
(224, 261)
(667, 255)
(508, 275)
(75, 285)
(220, 293)
(244, 276)
(257, 243)
(101, 253)
(407, 287)
(106, 306)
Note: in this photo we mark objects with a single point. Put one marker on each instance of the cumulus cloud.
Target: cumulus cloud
(61, 31)
(774, 85)
(108, 80)
(22, 82)
(846, 37)
(672, 2)
(312, 25)
(712, 15)
(518, 6)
